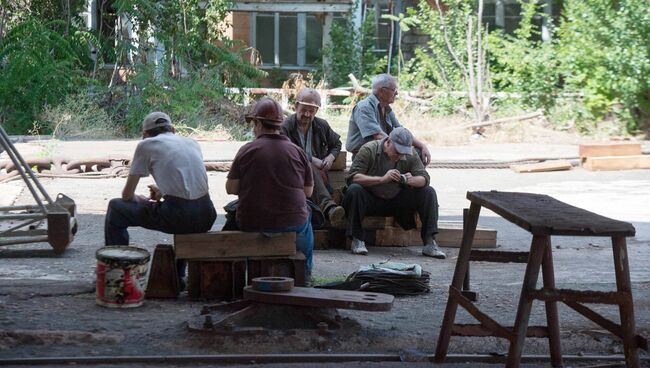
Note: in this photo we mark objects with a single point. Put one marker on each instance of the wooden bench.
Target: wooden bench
(219, 262)
(384, 231)
(543, 217)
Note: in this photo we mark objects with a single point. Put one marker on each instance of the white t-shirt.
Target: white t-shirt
(176, 164)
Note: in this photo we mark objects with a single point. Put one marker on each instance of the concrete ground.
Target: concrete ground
(47, 303)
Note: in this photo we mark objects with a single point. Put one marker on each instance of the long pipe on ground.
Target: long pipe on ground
(295, 358)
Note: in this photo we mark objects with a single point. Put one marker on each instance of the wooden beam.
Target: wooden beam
(553, 165)
(609, 149)
(617, 162)
(296, 7)
(340, 162)
(226, 244)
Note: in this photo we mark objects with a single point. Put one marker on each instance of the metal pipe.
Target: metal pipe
(290, 358)
(22, 224)
(13, 153)
(23, 169)
(22, 216)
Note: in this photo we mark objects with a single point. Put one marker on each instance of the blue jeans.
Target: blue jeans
(304, 240)
(172, 216)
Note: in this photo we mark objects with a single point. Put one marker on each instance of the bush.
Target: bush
(78, 116)
(38, 67)
(522, 63)
(605, 53)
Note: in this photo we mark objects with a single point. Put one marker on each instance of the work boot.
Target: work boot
(335, 215)
(359, 247)
(431, 250)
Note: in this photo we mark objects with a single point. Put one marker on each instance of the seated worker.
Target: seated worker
(179, 202)
(321, 145)
(387, 179)
(273, 180)
(372, 118)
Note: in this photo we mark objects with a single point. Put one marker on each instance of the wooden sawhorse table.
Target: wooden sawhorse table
(543, 216)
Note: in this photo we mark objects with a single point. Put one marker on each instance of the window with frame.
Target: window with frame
(287, 40)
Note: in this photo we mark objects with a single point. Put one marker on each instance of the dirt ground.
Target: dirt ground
(47, 302)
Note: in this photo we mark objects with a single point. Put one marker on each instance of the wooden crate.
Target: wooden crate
(228, 244)
(609, 149)
(339, 163)
(450, 235)
(617, 162)
(225, 279)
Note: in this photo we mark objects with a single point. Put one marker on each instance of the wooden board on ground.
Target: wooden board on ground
(323, 298)
(617, 162)
(220, 244)
(340, 162)
(553, 165)
(450, 235)
(609, 149)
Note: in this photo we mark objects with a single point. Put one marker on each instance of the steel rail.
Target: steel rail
(290, 358)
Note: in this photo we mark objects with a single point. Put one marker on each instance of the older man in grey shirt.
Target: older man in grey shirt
(373, 118)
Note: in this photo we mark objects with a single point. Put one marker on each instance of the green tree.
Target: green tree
(523, 63)
(604, 52)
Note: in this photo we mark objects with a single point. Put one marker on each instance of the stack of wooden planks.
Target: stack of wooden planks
(613, 156)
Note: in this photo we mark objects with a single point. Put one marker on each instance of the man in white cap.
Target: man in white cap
(372, 118)
(321, 145)
(179, 202)
(387, 179)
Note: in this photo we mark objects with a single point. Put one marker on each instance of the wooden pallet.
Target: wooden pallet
(617, 162)
(228, 244)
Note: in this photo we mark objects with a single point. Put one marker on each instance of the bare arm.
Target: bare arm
(426, 155)
(415, 181)
(308, 191)
(232, 186)
(370, 181)
(128, 193)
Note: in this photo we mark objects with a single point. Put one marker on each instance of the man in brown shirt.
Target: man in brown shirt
(273, 179)
(387, 179)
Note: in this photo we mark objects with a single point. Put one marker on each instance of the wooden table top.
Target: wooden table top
(544, 215)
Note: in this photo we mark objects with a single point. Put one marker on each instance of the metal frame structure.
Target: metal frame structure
(24, 220)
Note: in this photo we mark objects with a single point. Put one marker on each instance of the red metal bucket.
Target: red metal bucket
(121, 276)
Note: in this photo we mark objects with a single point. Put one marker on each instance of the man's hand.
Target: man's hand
(391, 175)
(317, 162)
(139, 198)
(327, 162)
(154, 193)
(426, 155)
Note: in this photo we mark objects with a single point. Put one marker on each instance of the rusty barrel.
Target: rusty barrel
(121, 276)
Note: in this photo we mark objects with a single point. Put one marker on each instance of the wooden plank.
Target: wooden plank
(337, 179)
(450, 234)
(553, 165)
(609, 149)
(324, 298)
(340, 162)
(163, 278)
(220, 244)
(544, 215)
(617, 163)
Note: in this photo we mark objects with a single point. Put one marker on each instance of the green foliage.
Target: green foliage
(38, 67)
(349, 51)
(522, 63)
(433, 66)
(78, 116)
(605, 53)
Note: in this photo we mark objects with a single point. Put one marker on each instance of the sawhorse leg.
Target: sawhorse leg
(626, 310)
(537, 250)
(552, 321)
(460, 272)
